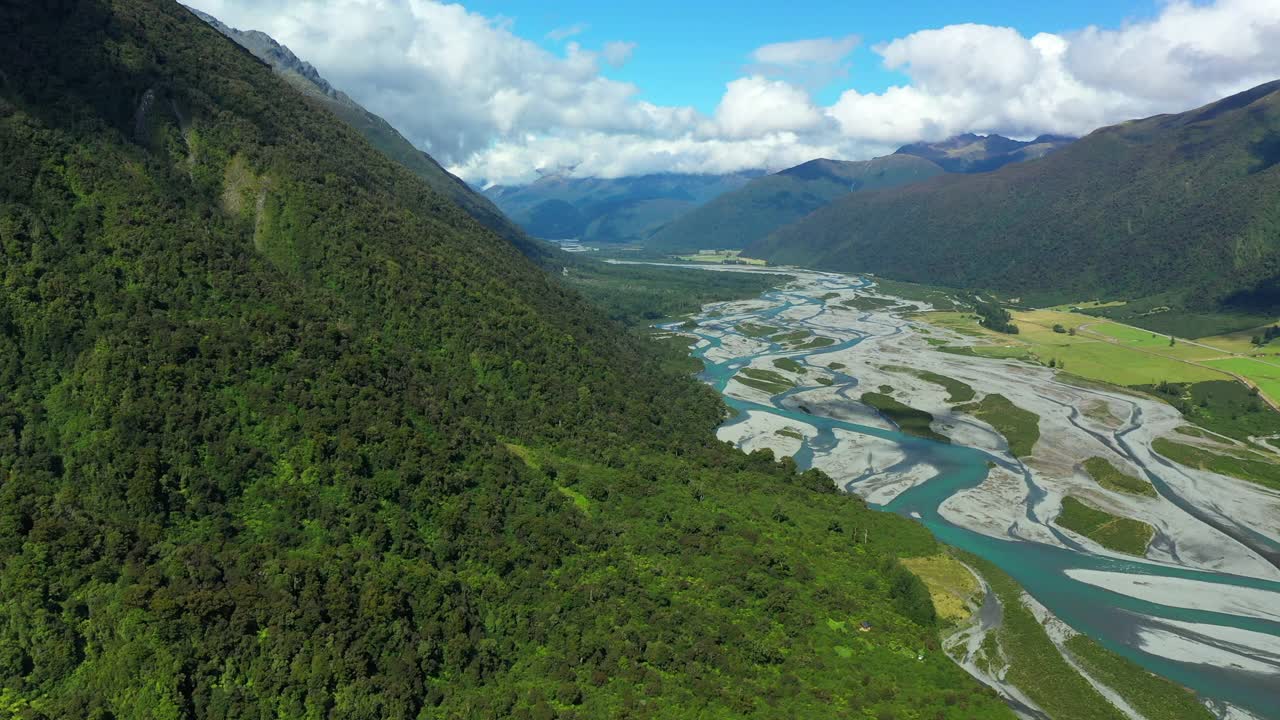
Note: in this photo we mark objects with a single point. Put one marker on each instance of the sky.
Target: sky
(502, 91)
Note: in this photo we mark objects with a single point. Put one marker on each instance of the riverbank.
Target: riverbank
(996, 488)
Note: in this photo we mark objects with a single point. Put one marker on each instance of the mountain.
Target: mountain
(306, 79)
(619, 210)
(738, 218)
(970, 153)
(285, 432)
(1181, 205)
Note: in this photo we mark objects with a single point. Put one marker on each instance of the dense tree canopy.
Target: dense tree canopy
(286, 433)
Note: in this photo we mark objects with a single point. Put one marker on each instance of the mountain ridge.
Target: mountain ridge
(973, 153)
(285, 431)
(736, 219)
(609, 210)
(305, 78)
(1174, 203)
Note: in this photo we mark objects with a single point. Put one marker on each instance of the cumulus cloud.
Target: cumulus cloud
(753, 107)
(495, 107)
(990, 79)
(617, 53)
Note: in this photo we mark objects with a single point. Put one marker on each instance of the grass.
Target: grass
(766, 376)
(1021, 428)
(1263, 374)
(818, 342)
(939, 297)
(1225, 407)
(580, 501)
(1246, 466)
(755, 331)
(1154, 697)
(1089, 354)
(908, 419)
(788, 364)
(1035, 664)
(1134, 337)
(1155, 314)
(863, 302)
(1090, 305)
(766, 380)
(1241, 342)
(957, 391)
(1113, 532)
(530, 458)
(790, 432)
(1111, 478)
(792, 336)
(958, 322)
(950, 584)
(836, 366)
(729, 257)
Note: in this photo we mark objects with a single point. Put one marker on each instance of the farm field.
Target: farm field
(1241, 343)
(1138, 338)
(728, 257)
(1265, 375)
(1084, 353)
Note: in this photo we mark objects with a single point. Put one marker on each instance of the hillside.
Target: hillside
(603, 210)
(739, 218)
(970, 153)
(1176, 206)
(285, 432)
(306, 79)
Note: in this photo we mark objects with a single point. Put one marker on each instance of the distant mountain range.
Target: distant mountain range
(971, 153)
(627, 209)
(737, 219)
(304, 76)
(1184, 205)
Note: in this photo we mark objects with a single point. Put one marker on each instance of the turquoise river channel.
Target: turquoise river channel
(1110, 618)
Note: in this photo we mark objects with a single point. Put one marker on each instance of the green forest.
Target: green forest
(284, 432)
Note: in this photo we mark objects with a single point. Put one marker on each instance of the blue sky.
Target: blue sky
(501, 91)
(687, 50)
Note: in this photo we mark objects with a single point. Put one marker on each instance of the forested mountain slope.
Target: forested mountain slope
(304, 76)
(285, 432)
(609, 210)
(970, 153)
(737, 219)
(1182, 204)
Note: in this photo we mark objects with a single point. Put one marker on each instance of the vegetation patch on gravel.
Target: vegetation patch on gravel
(908, 419)
(1113, 532)
(1021, 428)
(957, 391)
(1245, 466)
(1111, 478)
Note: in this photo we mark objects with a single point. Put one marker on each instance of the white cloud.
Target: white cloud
(989, 79)
(1189, 50)
(755, 106)
(617, 53)
(494, 106)
(800, 52)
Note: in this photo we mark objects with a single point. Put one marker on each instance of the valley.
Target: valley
(1063, 480)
